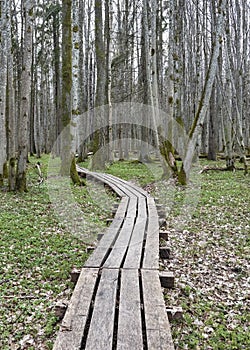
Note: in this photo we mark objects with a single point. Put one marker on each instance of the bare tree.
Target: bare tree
(205, 96)
(23, 135)
(11, 120)
(3, 83)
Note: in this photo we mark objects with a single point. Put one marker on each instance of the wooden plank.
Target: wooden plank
(112, 182)
(142, 208)
(100, 177)
(157, 325)
(72, 327)
(122, 185)
(120, 247)
(151, 253)
(130, 185)
(135, 249)
(129, 322)
(119, 190)
(152, 209)
(132, 207)
(100, 335)
(122, 208)
(96, 259)
(167, 279)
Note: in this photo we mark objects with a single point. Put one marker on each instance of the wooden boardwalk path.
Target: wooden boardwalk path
(118, 302)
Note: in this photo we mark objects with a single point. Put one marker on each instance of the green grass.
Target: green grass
(134, 171)
(37, 254)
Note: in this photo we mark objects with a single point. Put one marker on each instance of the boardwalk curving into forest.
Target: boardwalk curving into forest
(118, 302)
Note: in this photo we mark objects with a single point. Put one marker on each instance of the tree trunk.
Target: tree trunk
(11, 129)
(68, 166)
(100, 100)
(23, 137)
(3, 84)
(203, 105)
(212, 137)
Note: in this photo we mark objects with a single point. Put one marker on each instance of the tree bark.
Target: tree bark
(23, 136)
(3, 84)
(11, 129)
(203, 105)
(68, 166)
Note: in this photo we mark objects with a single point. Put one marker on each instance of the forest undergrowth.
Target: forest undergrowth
(37, 254)
(209, 257)
(210, 260)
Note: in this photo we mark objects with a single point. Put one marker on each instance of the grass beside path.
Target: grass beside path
(37, 253)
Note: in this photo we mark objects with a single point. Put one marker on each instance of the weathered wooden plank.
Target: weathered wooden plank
(142, 208)
(129, 185)
(157, 325)
(122, 208)
(72, 327)
(152, 210)
(100, 335)
(132, 207)
(97, 257)
(151, 253)
(134, 254)
(100, 177)
(120, 247)
(129, 322)
(135, 249)
(114, 187)
(100, 253)
(115, 184)
(167, 279)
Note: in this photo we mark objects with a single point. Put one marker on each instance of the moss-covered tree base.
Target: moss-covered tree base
(21, 183)
(5, 170)
(74, 174)
(1, 180)
(12, 174)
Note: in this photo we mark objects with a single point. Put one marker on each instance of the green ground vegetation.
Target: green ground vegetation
(211, 262)
(37, 254)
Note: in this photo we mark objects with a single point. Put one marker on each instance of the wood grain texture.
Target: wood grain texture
(151, 255)
(99, 254)
(129, 322)
(127, 184)
(157, 324)
(120, 247)
(135, 249)
(132, 207)
(73, 324)
(101, 329)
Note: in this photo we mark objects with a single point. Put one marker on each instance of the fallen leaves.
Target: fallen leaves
(210, 259)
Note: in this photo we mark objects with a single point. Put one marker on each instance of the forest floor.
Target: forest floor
(208, 226)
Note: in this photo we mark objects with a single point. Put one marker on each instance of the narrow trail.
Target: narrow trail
(118, 302)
